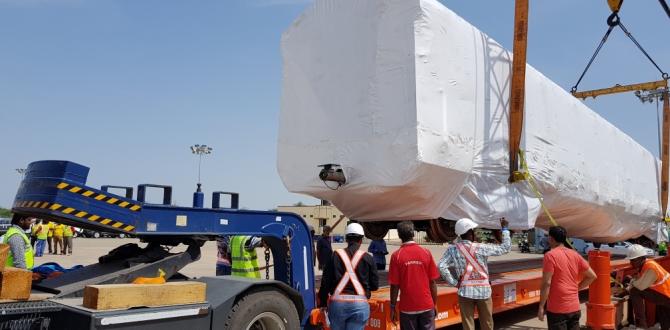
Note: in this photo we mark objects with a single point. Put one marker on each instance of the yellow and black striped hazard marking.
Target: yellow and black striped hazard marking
(76, 213)
(97, 196)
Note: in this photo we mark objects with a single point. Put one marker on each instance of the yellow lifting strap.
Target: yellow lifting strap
(528, 177)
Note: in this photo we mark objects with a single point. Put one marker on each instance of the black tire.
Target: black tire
(375, 231)
(276, 310)
(96, 235)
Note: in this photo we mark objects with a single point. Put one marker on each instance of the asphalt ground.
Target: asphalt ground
(87, 250)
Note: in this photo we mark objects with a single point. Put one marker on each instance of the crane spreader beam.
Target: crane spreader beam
(622, 89)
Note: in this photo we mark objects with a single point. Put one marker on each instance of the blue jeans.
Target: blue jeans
(39, 247)
(223, 269)
(344, 315)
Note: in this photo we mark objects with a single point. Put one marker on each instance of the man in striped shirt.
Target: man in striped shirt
(469, 260)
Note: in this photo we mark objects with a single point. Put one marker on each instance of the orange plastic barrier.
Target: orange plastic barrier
(600, 311)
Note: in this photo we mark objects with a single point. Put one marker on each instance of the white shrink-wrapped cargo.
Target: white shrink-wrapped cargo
(412, 101)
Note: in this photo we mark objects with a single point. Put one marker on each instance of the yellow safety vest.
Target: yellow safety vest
(29, 249)
(68, 231)
(245, 263)
(45, 230)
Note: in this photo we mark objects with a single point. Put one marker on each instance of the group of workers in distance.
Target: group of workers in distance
(24, 248)
(56, 237)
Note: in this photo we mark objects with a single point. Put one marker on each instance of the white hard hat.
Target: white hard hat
(463, 225)
(354, 229)
(636, 251)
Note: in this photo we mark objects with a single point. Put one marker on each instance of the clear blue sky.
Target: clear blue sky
(126, 86)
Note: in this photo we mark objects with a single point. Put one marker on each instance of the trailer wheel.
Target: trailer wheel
(263, 310)
(375, 231)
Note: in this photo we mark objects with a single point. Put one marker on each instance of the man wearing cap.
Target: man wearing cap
(564, 274)
(349, 278)
(651, 284)
(469, 259)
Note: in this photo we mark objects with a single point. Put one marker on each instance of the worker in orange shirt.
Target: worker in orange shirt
(58, 238)
(68, 233)
(651, 284)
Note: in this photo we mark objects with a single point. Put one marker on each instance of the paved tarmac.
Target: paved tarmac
(87, 251)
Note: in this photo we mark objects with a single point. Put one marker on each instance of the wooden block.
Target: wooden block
(4, 254)
(15, 283)
(121, 296)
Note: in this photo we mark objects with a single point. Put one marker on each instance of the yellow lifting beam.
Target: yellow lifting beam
(622, 89)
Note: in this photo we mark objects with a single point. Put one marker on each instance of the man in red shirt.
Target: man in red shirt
(560, 283)
(413, 272)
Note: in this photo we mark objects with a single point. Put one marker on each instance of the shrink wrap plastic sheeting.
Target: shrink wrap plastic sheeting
(412, 101)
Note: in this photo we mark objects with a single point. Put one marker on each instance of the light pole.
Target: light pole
(200, 150)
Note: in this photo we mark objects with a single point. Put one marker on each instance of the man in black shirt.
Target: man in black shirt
(349, 278)
(324, 249)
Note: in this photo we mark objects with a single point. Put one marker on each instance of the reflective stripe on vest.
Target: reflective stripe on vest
(244, 263)
(349, 276)
(474, 275)
(662, 284)
(27, 255)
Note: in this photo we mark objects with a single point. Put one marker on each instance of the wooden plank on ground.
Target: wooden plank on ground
(121, 296)
(15, 283)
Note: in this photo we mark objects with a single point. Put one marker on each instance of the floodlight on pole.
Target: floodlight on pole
(200, 150)
(21, 171)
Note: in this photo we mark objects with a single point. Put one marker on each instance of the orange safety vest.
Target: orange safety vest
(349, 276)
(474, 275)
(662, 285)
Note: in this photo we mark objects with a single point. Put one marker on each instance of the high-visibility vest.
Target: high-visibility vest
(43, 232)
(68, 231)
(28, 255)
(349, 276)
(58, 230)
(662, 284)
(474, 275)
(245, 263)
(51, 229)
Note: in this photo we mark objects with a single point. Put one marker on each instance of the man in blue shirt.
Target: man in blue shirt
(379, 252)
(324, 249)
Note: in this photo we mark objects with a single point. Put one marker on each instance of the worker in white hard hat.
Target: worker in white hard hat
(349, 277)
(470, 261)
(651, 283)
